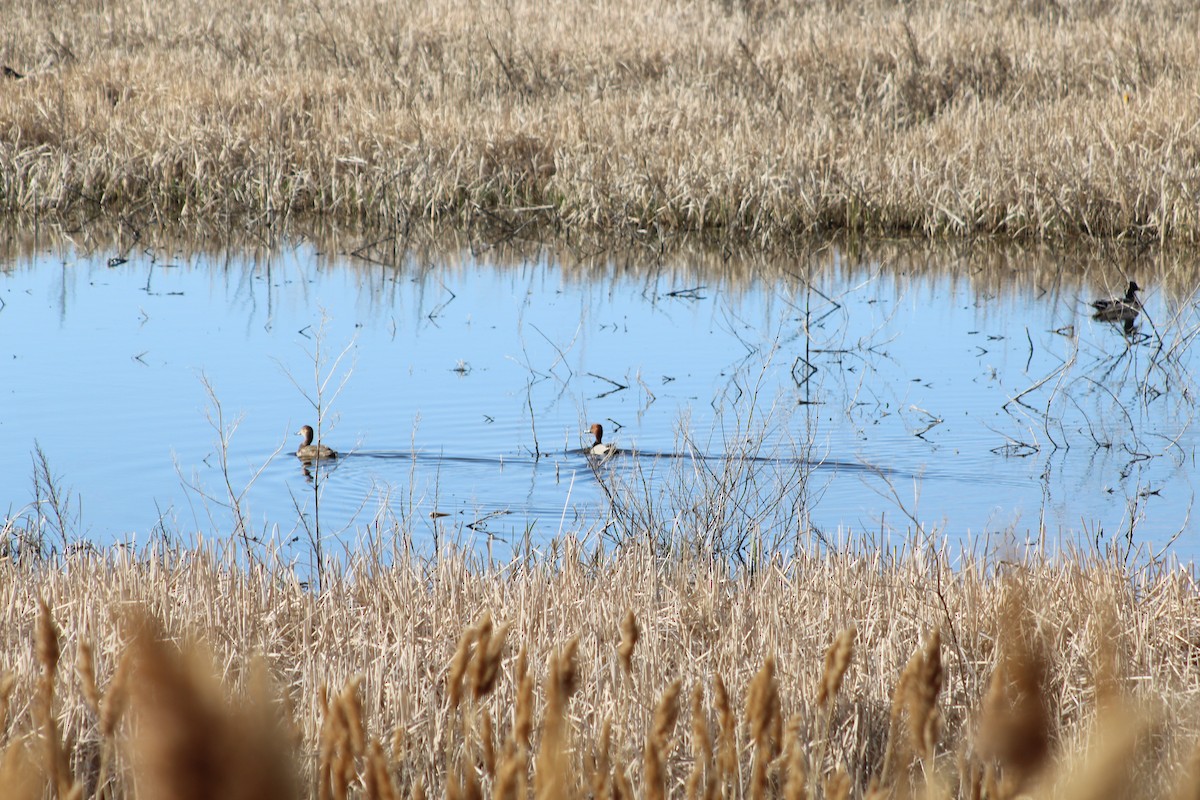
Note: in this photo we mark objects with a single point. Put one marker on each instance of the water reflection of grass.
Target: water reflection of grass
(848, 672)
(757, 119)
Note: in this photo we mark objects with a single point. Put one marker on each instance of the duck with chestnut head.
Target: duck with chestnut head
(599, 447)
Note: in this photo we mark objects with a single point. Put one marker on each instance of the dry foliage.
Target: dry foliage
(197, 678)
(759, 119)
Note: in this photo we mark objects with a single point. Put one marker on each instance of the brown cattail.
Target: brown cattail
(701, 745)
(914, 700)
(837, 785)
(837, 661)
(352, 709)
(399, 743)
(485, 667)
(550, 779)
(922, 693)
(86, 668)
(117, 697)
(191, 743)
(629, 639)
(622, 788)
(331, 738)
(657, 742)
(378, 780)
(477, 665)
(489, 746)
(20, 776)
(762, 707)
(464, 785)
(795, 785)
(523, 713)
(510, 774)
(666, 714)
(458, 666)
(655, 778)
(895, 748)
(47, 641)
(600, 778)
(7, 681)
(46, 644)
(1015, 724)
(727, 753)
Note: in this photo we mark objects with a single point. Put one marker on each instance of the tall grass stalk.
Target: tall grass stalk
(329, 377)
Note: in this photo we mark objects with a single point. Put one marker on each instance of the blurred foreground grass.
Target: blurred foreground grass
(844, 674)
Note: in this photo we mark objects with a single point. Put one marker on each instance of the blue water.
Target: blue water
(459, 387)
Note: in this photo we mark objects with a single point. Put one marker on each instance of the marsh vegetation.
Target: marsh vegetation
(704, 635)
(840, 673)
(754, 120)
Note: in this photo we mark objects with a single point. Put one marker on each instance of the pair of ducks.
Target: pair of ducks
(1119, 309)
(315, 452)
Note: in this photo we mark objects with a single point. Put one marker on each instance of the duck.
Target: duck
(312, 452)
(599, 447)
(1119, 309)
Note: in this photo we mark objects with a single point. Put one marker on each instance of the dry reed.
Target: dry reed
(757, 119)
(1024, 705)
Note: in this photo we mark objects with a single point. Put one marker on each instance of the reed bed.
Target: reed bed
(754, 120)
(850, 673)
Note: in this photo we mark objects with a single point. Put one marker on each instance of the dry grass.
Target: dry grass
(757, 119)
(851, 674)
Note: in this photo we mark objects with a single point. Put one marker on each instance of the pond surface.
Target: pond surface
(896, 393)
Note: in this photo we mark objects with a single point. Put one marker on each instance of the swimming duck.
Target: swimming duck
(312, 452)
(1119, 309)
(599, 448)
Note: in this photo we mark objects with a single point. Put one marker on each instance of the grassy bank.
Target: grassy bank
(833, 675)
(757, 120)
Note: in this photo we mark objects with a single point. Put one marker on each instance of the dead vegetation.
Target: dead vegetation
(755, 120)
(848, 674)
